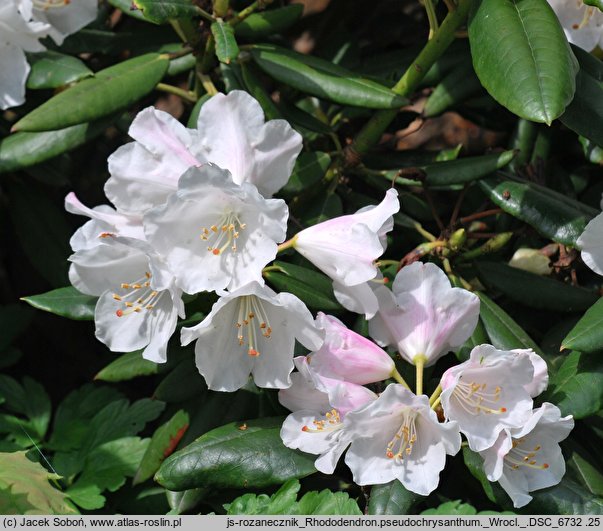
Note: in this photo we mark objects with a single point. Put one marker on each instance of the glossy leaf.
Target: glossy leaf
(30, 400)
(392, 498)
(323, 79)
(522, 57)
(238, 455)
(226, 45)
(458, 85)
(22, 150)
(128, 366)
(128, 7)
(552, 214)
(475, 464)
(267, 23)
(567, 497)
(504, 332)
(110, 90)
(533, 290)
(51, 70)
(312, 287)
(163, 443)
(183, 383)
(309, 169)
(577, 386)
(66, 302)
(587, 335)
(160, 11)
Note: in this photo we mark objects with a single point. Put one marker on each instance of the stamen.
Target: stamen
(223, 235)
(474, 398)
(404, 438)
(140, 297)
(331, 422)
(518, 457)
(252, 317)
(48, 4)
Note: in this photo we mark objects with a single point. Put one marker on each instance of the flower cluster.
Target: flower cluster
(406, 436)
(193, 212)
(22, 24)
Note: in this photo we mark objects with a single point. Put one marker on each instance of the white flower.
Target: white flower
(251, 330)
(424, 316)
(139, 303)
(232, 134)
(540, 381)
(346, 355)
(591, 243)
(319, 406)
(346, 247)
(398, 436)
(22, 24)
(529, 458)
(582, 24)
(17, 36)
(487, 394)
(215, 234)
(64, 16)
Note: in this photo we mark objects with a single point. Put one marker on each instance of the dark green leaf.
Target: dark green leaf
(323, 79)
(14, 320)
(238, 455)
(592, 152)
(226, 45)
(128, 7)
(66, 302)
(458, 508)
(327, 502)
(577, 386)
(183, 383)
(160, 11)
(458, 85)
(267, 23)
(503, 331)
(554, 215)
(566, 498)
(30, 400)
(184, 501)
(392, 498)
(309, 169)
(283, 501)
(110, 90)
(587, 335)
(163, 443)
(584, 468)
(26, 149)
(522, 57)
(493, 491)
(597, 3)
(534, 290)
(51, 70)
(312, 287)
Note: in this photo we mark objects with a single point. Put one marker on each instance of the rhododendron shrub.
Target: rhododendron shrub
(356, 253)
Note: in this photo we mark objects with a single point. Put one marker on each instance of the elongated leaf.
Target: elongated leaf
(567, 497)
(522, 57)
(51, 70)
(323, 79)
(577, 386)
(163, 443)
(392, 498)
(587, 335)
(226, 45)
(66, 302)
(267, 23)
(111, 89)
(503, 331)
(534, 290)
(128, 7)
(160, 11)
(308, 170)
(584, 468)
(456, 87)
(313, 288)
(26, 149)
(128, 366)
(238, 455)
(183, 383)
(554, 215)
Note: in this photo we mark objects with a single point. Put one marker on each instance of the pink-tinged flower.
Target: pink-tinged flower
(540, 381)
(591, 243)
(423, 316)
(486, 394)
(235, 136)
(103, 220)
(398, 436)
(346, 247)
(251, 331)
(138, 303)
(232, 134)
(582, 24)
(346, 355)
(215, 234)
(529, 458)
(319, 406)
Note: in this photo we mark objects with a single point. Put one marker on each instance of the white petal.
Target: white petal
(68, 19)
(13, 74)
(302, 394)
(360, 298)
(571, 14)
(591, 243)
